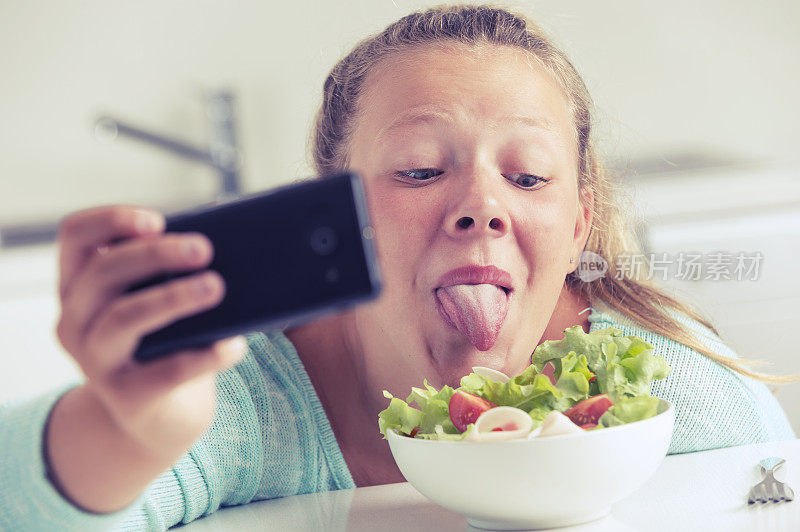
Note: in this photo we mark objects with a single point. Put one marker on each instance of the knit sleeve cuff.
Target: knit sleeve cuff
(28, 500)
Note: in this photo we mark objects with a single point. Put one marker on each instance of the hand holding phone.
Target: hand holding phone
(284, 242)
(286, 256)
(159, 408)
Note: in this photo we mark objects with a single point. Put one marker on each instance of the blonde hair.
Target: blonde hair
(609, 237)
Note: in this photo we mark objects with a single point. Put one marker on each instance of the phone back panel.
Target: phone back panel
(287, 255)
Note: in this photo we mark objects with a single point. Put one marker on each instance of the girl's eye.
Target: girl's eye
(420, 174)
(528, 181)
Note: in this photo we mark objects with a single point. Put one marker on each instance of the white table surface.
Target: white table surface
(705, 491)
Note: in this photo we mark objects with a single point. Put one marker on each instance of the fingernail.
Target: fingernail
(146, 222)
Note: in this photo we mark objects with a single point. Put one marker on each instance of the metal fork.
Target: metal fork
(770, 489)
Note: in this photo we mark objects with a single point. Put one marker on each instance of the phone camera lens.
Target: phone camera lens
(323, 240)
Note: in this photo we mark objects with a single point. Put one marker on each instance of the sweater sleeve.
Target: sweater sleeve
(222, 468)
(714, 405)
(28, 501)
(301, 454)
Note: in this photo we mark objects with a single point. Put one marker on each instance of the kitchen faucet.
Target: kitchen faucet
(221, 153)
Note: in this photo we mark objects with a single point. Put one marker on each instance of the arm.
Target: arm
(223, 467)
(27, 498)
(108, 468)
(716, 406)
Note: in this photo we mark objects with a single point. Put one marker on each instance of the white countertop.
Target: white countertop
(704, 491)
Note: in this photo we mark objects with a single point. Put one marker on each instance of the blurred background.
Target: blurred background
(171, 104)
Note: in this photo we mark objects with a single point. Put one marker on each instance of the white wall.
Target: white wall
(746, 210)
(31, 357)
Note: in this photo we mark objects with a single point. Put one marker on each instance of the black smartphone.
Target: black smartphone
(288, 255)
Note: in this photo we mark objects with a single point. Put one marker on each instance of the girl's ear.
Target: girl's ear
(583, 225)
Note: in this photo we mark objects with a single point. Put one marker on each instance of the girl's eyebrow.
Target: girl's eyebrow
(433, 115)
(416, 115)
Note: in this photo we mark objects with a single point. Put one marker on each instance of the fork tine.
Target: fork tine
(755, 491)
(774, 491)
(770, 489)
(781, 491)
(761, 492)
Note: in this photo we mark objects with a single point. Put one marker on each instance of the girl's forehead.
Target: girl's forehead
(493, 83)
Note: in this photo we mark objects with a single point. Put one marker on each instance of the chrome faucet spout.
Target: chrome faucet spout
(107, 129)
(221, 154)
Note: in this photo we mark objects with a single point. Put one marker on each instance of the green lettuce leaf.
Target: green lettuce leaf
(624, 365)
(432, 412)
(573, 376)
(575, 339)
(536, 392)
(538, 414)
(434, 406)
(630, 409)
(440, 435)
(398, 415)
(630, 375)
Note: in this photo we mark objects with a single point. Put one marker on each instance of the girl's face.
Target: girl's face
(468, 158)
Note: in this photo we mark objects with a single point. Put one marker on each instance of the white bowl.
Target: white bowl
(537, 483)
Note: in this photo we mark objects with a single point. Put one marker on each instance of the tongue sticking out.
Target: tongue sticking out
(476, 310)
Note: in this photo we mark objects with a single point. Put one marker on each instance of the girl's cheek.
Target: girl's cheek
(538, 217)
(381, 210)
(400, 223)
(544, 227)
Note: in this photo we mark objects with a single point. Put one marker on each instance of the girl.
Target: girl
(473, 136)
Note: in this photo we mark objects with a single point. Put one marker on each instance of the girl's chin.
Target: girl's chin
(451, 374)
(454, 356)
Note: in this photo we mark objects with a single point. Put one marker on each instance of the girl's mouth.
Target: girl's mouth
(476, 310)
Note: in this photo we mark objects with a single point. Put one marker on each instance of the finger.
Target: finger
(107, 276)
(82, 233)
(135, 389)
(116, 333)
(160, 376)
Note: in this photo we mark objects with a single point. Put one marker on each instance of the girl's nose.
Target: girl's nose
(467, 222)
(479, 212)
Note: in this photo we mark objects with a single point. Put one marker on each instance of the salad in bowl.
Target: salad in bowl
(595, 380)
(579, 423)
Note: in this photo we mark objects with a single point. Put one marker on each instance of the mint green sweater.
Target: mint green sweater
(271, 437)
